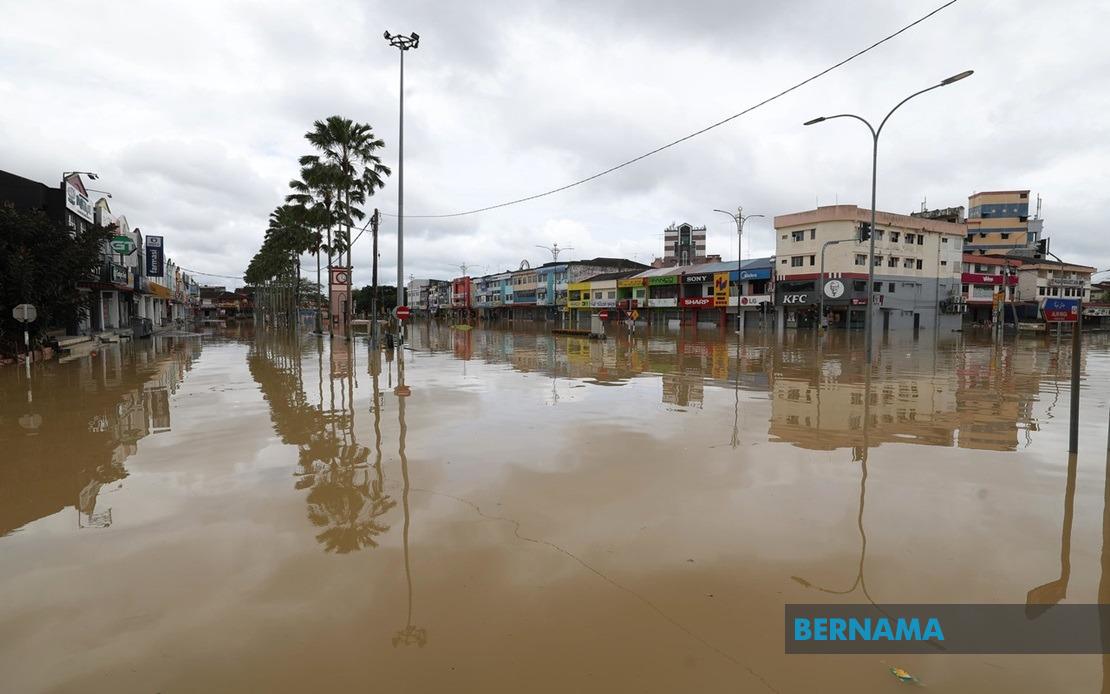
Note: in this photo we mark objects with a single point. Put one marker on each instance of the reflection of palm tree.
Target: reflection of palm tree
(1039, 599)
(348, 508)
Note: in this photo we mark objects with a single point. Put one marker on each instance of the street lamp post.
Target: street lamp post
(739, 218)
(402, 43)
(875, 132)
(821, 281)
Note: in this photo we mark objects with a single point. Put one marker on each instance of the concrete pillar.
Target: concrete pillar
(780, 320)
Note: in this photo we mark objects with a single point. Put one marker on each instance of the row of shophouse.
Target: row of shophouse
(932, 270)
(136, 288)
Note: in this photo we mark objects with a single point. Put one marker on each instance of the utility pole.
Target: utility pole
(374, 286)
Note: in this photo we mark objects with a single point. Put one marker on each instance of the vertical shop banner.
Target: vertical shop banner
(720, 289)
(154, 256)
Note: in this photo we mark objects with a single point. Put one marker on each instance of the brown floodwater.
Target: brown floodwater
(504, 511)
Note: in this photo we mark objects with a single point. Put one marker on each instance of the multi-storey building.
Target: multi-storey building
(1042, 279)
(684, 244)
(987, 282)
(998, 222)
(917, 269)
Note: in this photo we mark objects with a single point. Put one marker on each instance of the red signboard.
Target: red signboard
(977, 278)
(696, 302)
(603, 314)
(403, 312)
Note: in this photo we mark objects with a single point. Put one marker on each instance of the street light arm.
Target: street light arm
(733, 216)
(750, 216)
(861, 119)
(899, 105)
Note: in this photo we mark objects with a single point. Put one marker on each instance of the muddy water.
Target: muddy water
(505, 511)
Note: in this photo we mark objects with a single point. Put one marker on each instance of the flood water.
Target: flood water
(504, 511)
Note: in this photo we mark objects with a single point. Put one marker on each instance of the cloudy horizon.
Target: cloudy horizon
(194, 116)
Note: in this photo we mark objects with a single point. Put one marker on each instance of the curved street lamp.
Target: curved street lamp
(739, 218)
(875, 132)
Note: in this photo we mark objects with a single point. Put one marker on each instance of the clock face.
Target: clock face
(341, 278)
(834, 289)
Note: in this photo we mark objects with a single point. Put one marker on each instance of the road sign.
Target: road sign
(122, 245)
(24, 313)
(603, 314)
(1061, 310)
(634, 314)
(401, 312)
(834, 289)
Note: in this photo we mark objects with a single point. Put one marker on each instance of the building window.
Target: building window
(919, 264)
(894, 237)
(878, 261)
(859, 286)
(965, 289)
(796, 261)
(1005, 235)
(921, 239)
(944, 240)
(890, 287)
(878, 234)
(798, 235)
(612, 295)
(892, 261)
(908, 263)
(812, 234)
(943, 263)
(783, 261)
(878, 287)
(861, 259)
(909, 238)
(812, 260)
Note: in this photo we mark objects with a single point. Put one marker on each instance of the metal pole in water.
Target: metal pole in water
(1076, 349)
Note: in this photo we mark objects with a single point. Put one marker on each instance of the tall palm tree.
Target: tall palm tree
(316, 192)
(352, 149)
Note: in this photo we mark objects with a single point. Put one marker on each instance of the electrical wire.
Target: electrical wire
(685, 137)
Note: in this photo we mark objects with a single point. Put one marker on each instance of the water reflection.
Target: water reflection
(68, 445)
(346, 496)
(959, 391)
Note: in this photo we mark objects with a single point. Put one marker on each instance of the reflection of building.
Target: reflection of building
(83, 428)
(977, 398)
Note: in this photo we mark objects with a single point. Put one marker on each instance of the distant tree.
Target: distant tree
(41, 263)
(387, 298)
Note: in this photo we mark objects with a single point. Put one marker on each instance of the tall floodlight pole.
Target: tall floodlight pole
(401, 43)
(875, 132)
(739, 218)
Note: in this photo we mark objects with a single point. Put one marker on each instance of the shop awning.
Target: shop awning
(159, 291)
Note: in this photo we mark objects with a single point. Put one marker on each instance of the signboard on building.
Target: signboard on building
(1066, 282)
(155, 259)
(720, 289)
(632, 282)
(696, 302)
(759, 274)
(1061, 310)
(77, 201)
(662, 280)
(122, 245)
(754, 299)
(603, 303)
(663, 303)
(699, 278)
(119, 274)
(977, 278)
(797, 298)
(834, 289)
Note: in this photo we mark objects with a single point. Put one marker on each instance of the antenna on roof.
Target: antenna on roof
(1038, 215)
(924, 203)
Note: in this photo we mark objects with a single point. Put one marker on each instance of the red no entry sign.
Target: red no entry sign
(603, 314)
(401, 312)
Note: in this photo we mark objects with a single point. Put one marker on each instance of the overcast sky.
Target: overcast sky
(194, 115)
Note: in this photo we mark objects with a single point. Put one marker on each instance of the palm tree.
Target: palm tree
(351, 148)
(315, 191)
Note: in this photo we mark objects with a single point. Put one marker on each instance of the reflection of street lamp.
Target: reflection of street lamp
(875, 132)
(411, 634)
(1039, 599)
(739, 218)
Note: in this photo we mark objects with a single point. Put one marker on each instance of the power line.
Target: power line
(691, 135)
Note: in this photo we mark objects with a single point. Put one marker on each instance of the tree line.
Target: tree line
(317, 216)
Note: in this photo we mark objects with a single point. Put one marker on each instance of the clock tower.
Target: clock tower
(340, 297)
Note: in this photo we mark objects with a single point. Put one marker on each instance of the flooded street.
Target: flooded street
(505, 511)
